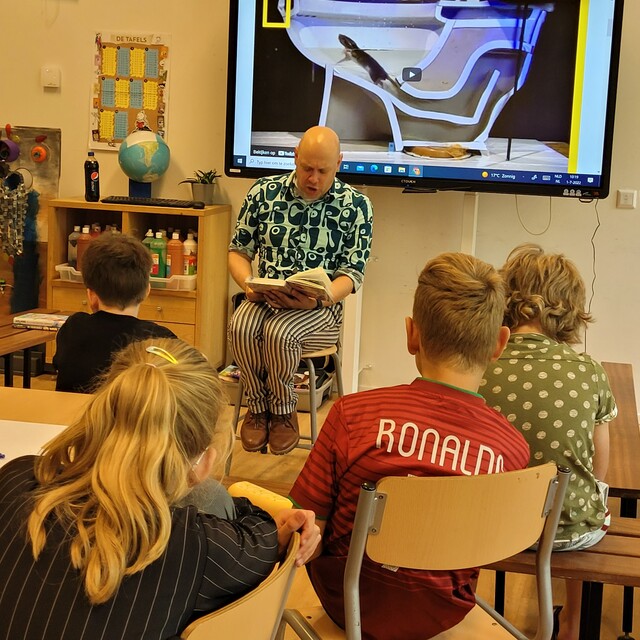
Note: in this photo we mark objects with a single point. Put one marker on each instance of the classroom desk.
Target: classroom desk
(39, 405)
(623, 475)
(31, 417)
(14, 339)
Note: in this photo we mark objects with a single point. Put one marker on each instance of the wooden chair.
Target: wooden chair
(447, 523)
(256, 615)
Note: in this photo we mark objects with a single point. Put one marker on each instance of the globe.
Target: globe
(144, 156)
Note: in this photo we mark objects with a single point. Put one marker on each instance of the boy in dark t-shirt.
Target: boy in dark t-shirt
(437, 425)
(115, 270)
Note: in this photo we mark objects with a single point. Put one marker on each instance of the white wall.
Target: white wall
(408, 228)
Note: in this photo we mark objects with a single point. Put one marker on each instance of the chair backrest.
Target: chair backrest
(257, 614)
(451, 522)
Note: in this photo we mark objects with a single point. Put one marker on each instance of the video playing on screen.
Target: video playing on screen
(479, 95)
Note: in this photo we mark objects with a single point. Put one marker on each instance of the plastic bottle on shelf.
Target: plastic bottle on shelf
(190, 248)
(91, 178)
(158, 248)
(148, 239)
(72, 247)
(83, 242)
(96, 230)
(175, 256)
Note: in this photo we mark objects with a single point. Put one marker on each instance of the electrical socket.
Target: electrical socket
(626, 199)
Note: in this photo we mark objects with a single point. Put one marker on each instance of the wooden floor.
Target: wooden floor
(279, 473)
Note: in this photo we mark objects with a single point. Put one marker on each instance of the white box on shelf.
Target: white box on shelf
(179, 283)
(67, 272)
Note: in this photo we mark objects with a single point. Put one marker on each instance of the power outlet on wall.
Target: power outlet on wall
(626, 199)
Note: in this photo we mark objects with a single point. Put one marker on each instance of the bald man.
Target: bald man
(305, 219)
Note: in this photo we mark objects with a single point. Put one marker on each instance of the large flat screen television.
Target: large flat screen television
(476, 95)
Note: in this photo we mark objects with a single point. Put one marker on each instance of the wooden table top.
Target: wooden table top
(43, 415)
(623, 475)
(15, 339)
(39, 405)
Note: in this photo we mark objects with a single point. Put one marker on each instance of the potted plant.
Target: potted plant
(203, 184)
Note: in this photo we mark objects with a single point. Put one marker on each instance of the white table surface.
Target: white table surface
(24, 438)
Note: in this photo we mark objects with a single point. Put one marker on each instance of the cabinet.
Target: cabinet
(198, 316)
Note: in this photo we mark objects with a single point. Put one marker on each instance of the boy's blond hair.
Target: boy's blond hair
(458, 308)
(545, 287)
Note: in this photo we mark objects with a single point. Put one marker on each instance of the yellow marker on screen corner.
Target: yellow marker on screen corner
(276, 25)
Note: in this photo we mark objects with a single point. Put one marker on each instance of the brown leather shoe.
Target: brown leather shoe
(254, 431)
(284, 434)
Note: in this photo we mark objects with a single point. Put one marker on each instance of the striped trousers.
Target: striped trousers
(267, 345)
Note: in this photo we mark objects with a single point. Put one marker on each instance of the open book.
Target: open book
(314, 283)
(47, 321)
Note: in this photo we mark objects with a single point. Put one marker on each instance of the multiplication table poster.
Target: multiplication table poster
(130, 86)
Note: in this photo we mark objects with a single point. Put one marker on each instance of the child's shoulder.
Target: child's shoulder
(377, 396)
(79, 318)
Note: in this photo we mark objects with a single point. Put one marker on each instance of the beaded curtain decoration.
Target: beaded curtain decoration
(13, 211)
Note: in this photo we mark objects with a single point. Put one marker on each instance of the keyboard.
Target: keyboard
(152, 202)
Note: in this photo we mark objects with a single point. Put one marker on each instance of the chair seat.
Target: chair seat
(477, 624)
(320, 353)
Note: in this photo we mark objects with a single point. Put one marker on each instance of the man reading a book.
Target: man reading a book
(293, 223)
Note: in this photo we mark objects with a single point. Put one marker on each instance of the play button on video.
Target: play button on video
(411, 74)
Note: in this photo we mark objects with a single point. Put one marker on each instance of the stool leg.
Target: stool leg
(337, 366)
(236, 412)
(313, 412)
(227, 464)
(236, 418)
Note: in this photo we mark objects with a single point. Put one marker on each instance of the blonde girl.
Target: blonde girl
(93, 542)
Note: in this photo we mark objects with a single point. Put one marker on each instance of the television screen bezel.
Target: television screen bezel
(433, 184)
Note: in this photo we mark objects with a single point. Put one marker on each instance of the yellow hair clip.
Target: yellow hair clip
(163, 353)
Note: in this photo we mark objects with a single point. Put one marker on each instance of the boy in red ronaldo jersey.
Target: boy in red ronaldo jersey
(437, 425)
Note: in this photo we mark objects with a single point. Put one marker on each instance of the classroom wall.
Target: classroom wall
(408, 228)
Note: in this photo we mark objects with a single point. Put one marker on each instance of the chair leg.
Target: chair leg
(498, 603)
(591, 611)
(299, 624)
(628, 509)
(313, 409)
(627, 614)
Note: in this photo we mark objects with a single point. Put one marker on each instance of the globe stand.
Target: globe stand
(139, 189)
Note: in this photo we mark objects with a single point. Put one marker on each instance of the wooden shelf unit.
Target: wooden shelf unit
(198, 317)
